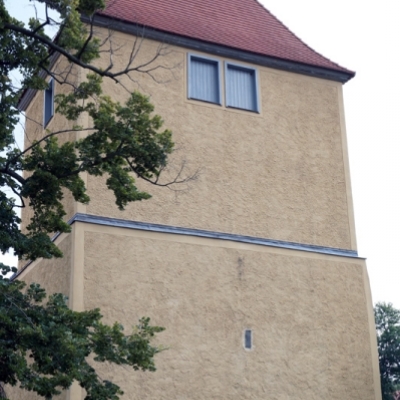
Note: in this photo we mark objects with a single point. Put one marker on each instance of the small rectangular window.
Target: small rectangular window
(48, 102)
(241, 87)
(248, 339)
(204, 79)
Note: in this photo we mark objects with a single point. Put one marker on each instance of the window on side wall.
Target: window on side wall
(204, 79)
(241, 87)
(48, 103)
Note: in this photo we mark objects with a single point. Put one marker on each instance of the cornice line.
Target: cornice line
(220, 50)
(206, 47)
(144, 226)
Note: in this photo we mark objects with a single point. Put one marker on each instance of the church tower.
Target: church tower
(252, 268)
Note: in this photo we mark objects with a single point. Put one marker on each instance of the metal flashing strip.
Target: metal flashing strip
(144, 226)
(219, 50)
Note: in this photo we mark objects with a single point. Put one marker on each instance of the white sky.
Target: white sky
(364, 37)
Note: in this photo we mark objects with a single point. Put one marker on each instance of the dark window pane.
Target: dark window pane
(49, 102)
(247, 339)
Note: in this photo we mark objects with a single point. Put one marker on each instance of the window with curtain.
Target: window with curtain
(204, 79)
(241, 87)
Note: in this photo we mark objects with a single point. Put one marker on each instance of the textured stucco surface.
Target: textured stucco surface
(53, 274)
(279, 174)
(308, 314)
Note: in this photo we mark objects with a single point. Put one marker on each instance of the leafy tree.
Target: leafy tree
(124, 140)
(387, 321)
(45, 347)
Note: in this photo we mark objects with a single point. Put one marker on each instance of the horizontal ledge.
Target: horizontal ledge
(144, 226)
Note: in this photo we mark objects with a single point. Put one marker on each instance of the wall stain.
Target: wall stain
(240, 267)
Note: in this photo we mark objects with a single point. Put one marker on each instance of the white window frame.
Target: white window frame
(45, 105)
(256, 85)
(215, 61)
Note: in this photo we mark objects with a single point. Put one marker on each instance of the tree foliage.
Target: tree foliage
(124, 139)
(387, 320)
(44, 346)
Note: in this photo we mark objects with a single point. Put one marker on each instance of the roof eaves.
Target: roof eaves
(340, 75)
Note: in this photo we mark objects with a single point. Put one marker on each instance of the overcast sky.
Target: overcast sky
(364, 37)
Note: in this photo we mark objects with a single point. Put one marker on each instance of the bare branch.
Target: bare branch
(46, 22)
(133, 52)
(15, 158)
(177, 179)
(53, 46)
(107, 72)
(88, 39)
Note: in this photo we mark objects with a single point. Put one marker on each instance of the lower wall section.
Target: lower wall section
(54, 276)
(310, 315)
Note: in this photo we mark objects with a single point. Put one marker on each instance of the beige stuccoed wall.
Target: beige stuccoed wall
(310, 315)
(54, 274)
(280, 174)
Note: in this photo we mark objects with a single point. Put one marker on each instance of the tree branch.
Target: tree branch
(20, 197)
(53, 46)
(15, 158)
(76, 59)
(14, 175)
(88, 39)
(168, 184)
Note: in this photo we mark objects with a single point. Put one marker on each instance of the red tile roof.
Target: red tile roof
(239, 24)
